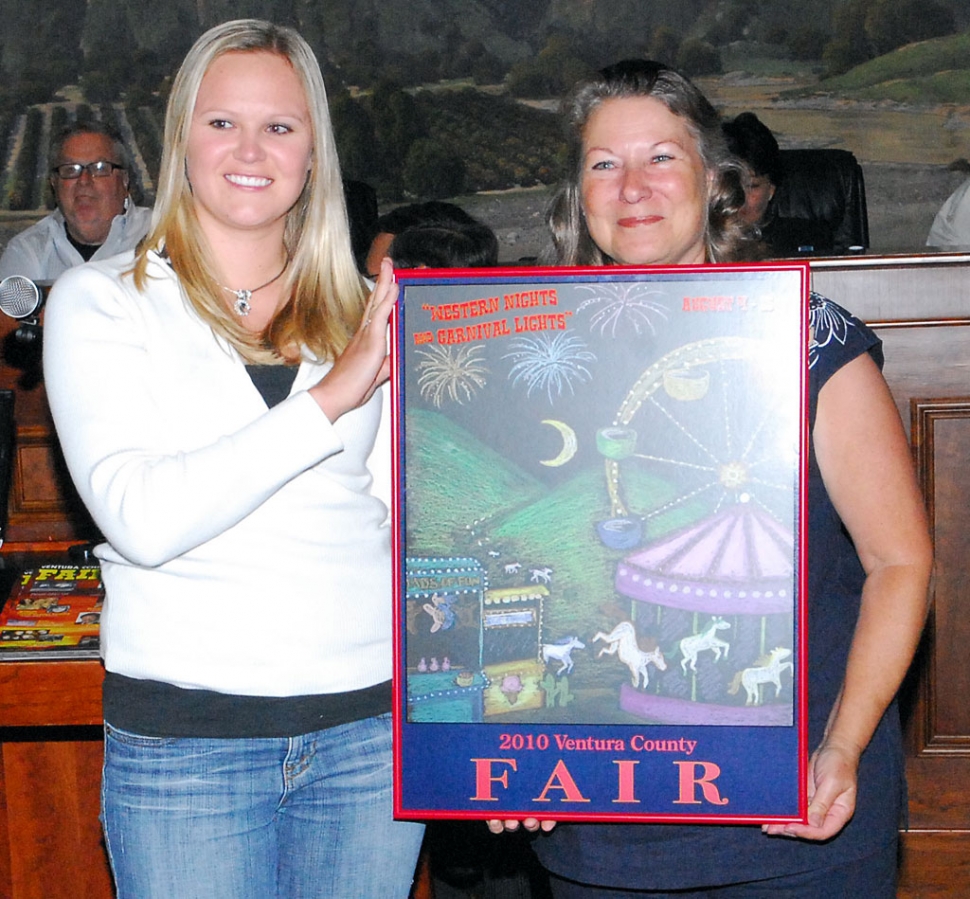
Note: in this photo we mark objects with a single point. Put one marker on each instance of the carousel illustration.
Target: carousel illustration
(712, 603)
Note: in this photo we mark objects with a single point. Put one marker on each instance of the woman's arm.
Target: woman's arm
(867, 470)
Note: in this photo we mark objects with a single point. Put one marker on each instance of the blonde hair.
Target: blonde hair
(325, 292)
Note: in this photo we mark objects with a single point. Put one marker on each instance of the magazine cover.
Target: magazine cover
(598, 543)
(54, 611)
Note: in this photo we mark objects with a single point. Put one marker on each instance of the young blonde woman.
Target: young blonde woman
(218, 398)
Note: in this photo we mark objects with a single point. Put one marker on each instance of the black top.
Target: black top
(156, 709)
(789, 238)
(87, 250)
(670, 857)
(273, 382)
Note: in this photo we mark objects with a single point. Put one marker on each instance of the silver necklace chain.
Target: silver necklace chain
(242, 305)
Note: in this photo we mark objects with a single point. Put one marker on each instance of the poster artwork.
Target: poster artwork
(598, 530)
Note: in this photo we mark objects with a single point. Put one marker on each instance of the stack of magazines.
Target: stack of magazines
(54, 611)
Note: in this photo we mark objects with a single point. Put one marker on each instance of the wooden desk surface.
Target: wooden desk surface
(54, 693)
(50, 770)
(46, 692)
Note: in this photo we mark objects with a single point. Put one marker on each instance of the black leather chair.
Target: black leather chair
(820, 205)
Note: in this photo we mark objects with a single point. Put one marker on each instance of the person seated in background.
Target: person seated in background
(95, 216)
(751, 141)
(427, 214)
(951, 227)
(472, 245)
(361, 201)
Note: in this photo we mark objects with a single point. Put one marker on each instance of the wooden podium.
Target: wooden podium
(50, 711)
(50, 774)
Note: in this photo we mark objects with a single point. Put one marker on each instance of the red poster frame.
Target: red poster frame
(497, 715)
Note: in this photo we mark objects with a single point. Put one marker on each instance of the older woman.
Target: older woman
(652, 182)
(217, 395)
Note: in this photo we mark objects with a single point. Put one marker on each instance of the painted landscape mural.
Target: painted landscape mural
(455, 98)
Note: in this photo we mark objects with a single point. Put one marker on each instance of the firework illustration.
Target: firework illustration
(550, 362)
(621, 305)
(453, 373)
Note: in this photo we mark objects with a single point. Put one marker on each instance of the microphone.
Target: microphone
(23, 299)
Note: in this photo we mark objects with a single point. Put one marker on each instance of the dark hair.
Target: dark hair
(752, 142)
(572, 244)
(432, 212)
(471, 245)
(361, 200)
(91, 126)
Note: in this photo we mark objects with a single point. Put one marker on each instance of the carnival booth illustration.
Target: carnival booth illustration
(511, 627)
(445, 598)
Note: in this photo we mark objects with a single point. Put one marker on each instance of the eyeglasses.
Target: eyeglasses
(70, 171)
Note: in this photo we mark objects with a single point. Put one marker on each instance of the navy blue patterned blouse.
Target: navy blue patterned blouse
(668, 857)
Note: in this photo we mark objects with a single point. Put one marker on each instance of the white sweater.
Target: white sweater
(246, 552)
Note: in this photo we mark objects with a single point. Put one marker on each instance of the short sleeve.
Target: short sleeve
(836, 337)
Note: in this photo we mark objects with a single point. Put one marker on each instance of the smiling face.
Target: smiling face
(90, 204)
(644, 186)
(249, 145)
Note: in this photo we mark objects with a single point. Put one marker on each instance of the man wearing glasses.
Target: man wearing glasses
(95, 217)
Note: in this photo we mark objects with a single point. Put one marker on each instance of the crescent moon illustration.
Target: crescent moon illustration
(569, 443)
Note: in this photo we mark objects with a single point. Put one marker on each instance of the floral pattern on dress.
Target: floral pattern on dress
(826, 322)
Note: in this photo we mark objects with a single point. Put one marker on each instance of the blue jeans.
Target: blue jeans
(291, 818)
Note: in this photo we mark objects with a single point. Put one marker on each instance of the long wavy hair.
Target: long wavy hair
(325, 294)
(724, 235)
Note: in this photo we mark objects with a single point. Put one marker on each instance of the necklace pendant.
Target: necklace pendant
(242, 306)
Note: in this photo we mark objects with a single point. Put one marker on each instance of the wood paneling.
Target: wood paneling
(941, 438)
(920, 307)
(935, 865)
(40, 694)
(43, 507)
(50, 807)
(50, 772)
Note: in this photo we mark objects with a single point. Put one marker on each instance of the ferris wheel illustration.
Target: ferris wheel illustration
(718, 421)
(716, 418)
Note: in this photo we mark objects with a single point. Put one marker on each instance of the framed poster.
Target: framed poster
(598, 556)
